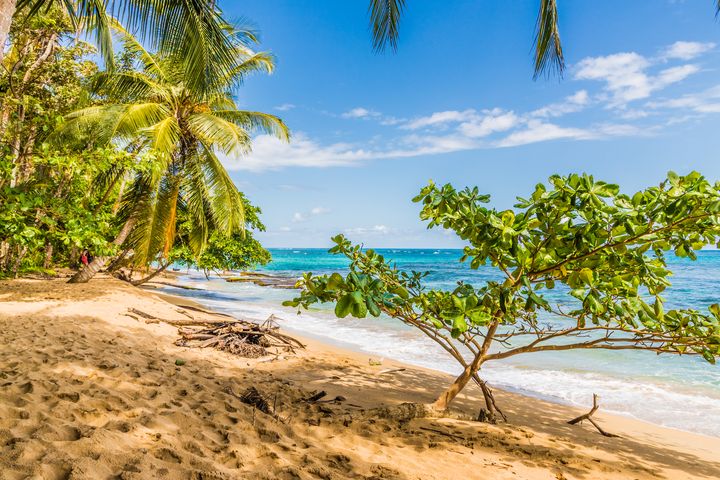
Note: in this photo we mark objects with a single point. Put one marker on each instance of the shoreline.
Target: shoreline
(584, 403)
(324, 343)
(39, 317)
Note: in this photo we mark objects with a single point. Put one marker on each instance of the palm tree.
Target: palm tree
(193, 28)
(385, 18)
(183, 127)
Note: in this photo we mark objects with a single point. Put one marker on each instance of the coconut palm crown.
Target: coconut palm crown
(184, 128)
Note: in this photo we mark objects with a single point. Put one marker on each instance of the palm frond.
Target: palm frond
(93, 17)
(385, 23)
(225, 204)
(256, 121)
(213, 130)
(548, 50)
(255, 62)
(155, 227)
(164, 136)
(128, 86)
(131, 44)
(196, 195)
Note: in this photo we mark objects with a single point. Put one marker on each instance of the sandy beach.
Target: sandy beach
(89, 392)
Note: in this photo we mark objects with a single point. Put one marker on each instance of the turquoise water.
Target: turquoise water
(678, 392)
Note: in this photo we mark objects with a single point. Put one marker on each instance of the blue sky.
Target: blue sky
(457, 104)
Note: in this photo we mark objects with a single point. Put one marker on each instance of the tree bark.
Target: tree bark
(98, 263)
(48, 256)
(7, 10)
(151, 276)
(443, 401)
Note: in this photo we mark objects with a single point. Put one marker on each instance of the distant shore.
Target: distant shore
(87, 391)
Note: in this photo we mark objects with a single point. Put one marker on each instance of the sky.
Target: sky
(457, 103)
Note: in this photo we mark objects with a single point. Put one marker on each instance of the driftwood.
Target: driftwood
(588, 417)
(242, 338)
(239, 337)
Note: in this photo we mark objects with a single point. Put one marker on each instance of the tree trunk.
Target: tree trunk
(48, 256)
(7, 10)
(443, 401)
(89, 271)
(74, 254)
(21, 254)
(151, 276)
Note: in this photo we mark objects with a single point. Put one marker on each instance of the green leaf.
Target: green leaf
(343, 306)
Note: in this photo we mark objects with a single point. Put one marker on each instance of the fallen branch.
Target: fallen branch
(588, 417)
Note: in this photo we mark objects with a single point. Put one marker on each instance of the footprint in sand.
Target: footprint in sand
(166, 455)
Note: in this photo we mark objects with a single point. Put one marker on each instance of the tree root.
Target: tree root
(588, 417)
(488, 415)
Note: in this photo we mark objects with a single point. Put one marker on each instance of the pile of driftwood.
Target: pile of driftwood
(224, 332)
(245, 339)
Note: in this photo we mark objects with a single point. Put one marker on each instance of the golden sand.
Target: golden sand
(89, 392)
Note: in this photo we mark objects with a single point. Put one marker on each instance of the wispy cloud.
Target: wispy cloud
(360, 112)
(686, 50)
(538, 131)
(285, 107)
(623, 79)
(571, 104)
(626, 76)
(374, 230)
(707, 101)
(440, 118)
(299, 217)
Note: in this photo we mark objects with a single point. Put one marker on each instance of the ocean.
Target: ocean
(677, 392)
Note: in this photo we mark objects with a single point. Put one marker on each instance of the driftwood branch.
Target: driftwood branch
(588, 417)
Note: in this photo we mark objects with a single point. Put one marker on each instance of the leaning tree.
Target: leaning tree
(604, 252)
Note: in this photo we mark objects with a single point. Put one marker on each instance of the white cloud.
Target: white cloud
(374, 230)
(686, 50)
(494, 121)
(572, 103)
(674, 75)
(626, 76)
(707, 101)
(269, 153)
(360, 112)
(439, 118)
(285, 107)
(538, 131)
(299, 217)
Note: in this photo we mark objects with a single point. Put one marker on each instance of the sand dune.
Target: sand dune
(89, 392)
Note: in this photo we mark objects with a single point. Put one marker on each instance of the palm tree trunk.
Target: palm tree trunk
(151, 276)
(98, 263)
(7, 10)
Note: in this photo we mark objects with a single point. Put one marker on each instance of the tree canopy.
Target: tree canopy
(604, 250)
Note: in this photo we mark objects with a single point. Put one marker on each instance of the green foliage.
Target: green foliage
(238, 251)
(576, 235)
(115, 161)
(154, 109)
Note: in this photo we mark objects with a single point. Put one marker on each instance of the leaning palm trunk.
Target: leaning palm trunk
(7, 10)
(98, 263)
(154, 274)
